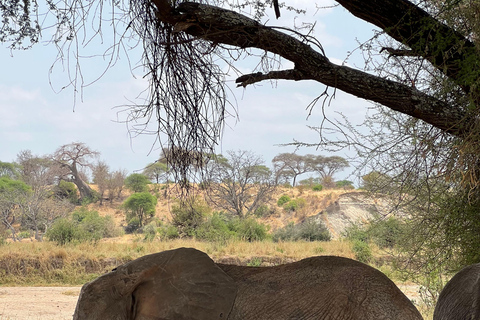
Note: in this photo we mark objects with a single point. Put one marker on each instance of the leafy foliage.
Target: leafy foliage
(282, 200)
(309, 230)
(83, 226)
(137, 182)
(189, 215)
(67, 190)
(140, 205)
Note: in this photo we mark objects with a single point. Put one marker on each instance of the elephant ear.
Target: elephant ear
(184, 284)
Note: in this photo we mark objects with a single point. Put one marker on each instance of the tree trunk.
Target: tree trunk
(83, 187)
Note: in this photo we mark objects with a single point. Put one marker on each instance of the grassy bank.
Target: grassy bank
(44, 263)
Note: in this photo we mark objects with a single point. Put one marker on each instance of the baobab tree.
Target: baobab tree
(73, 157)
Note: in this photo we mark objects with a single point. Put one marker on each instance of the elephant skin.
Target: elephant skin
(186, 284)
(460, 298)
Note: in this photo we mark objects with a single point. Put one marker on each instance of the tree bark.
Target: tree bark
(227, 27)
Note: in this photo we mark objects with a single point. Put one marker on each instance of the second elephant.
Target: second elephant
(460, 298)
(186, 284)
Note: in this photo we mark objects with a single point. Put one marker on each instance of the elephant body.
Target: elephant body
(460, 298)
(186, 284)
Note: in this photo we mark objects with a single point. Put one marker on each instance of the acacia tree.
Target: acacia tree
(73, 157)
(239, 182)
(328, 166)
(291, 165)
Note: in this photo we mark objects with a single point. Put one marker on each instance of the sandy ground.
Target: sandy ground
(58, 303)
(38, 303)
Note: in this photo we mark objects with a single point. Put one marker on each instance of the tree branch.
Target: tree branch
(251, 78)
(407, 23)
(228, 27)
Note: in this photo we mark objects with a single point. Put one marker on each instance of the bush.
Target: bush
(317, 187)
(187, 217)
(386, 233)
(133, 225)
(83, 225)
(262, 211)
(248, 229)
(67, 190)
(354, 232)
(62, 231)
(313, 231)
(167, 232)
(150, 231)
(310, 230)
(215, 228)
(362, 251)
(282, 200)
(294, 205)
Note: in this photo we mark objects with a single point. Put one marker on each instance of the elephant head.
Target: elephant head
(175, 284)
(460, 298)
(186, 284)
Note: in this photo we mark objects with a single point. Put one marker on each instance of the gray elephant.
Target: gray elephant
(186, 284)
(460, 298)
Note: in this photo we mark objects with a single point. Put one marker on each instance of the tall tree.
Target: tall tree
(13, 194)
(101, 177)
(240, 182)
(328, 166)
(74, 157)
(156, 172)
(291, 165)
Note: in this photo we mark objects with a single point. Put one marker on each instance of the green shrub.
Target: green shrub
(24, 235)
(133, 225)
(83, 225)
(150, 231)
(294, 205)
(62, 231)
(310, 230)
(248, 229)
(262, 211)
(354, 232)
(255, 262)
(362, 251)
(187, 217)
(287, 233)
(167, 232)
(67, 190)
(282, 200)
(386, 233)
(317, 187)
(215, 228)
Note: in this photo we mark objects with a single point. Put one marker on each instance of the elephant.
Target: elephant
(185, 283)
(460, 298)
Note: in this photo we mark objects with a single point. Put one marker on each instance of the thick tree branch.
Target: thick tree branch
(407, 23)
(224, 26)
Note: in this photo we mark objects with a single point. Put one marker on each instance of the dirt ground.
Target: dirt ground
(38, 303)
(58, 303)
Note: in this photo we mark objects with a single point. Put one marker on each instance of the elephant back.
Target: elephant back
(460, 298)
(322, 287)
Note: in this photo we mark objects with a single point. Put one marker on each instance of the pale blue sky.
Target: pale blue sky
(33, 116)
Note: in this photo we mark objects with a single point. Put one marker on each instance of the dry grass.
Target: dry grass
(44, 263)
